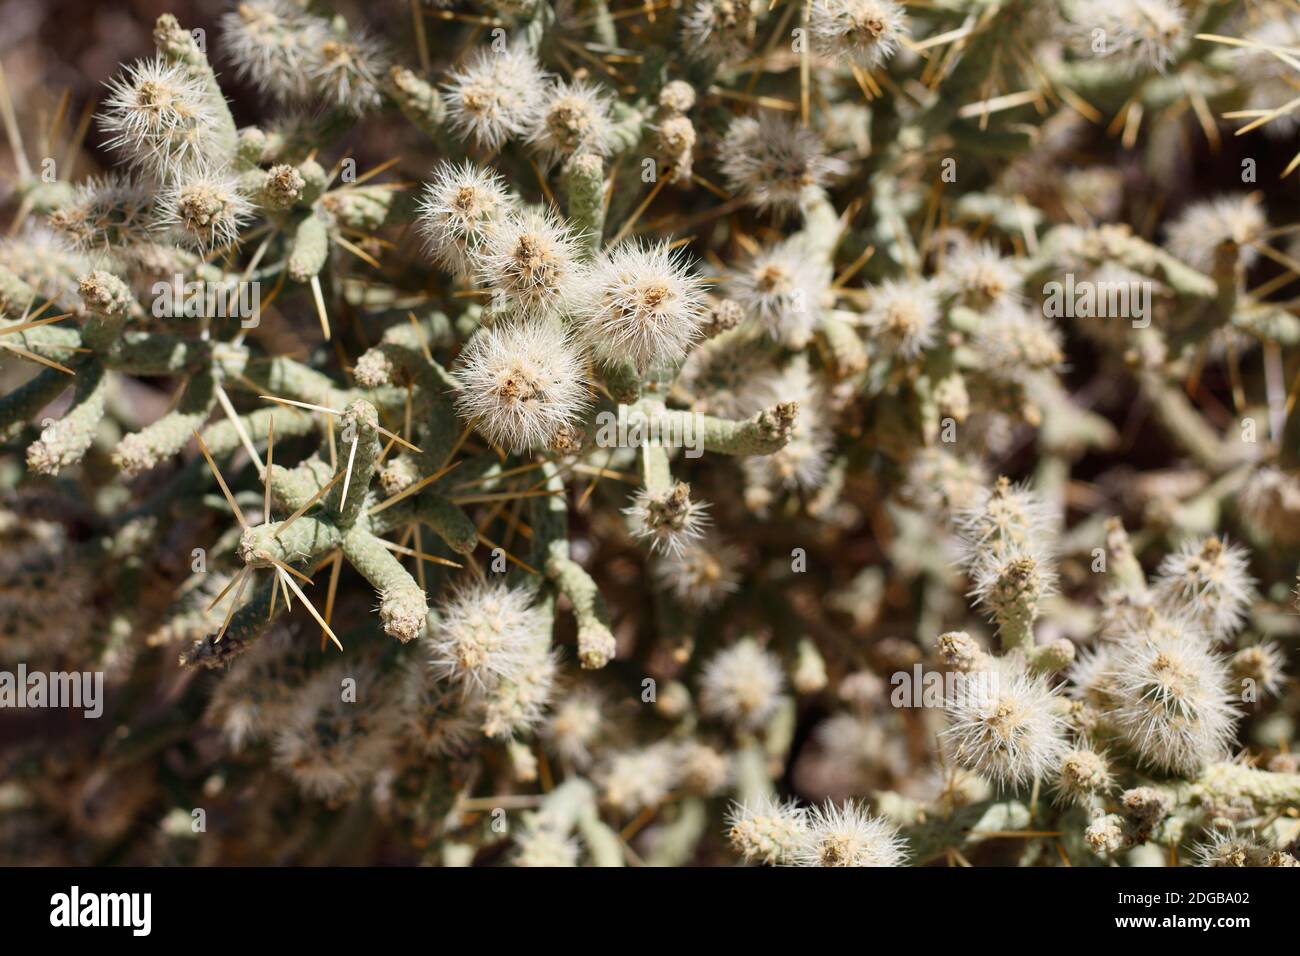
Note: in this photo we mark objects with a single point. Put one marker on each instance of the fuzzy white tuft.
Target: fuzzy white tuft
(719, 30)
(641, 302)
(782, 289)
(1209, 580)
(1142, 34)
(486, 632)
(522, 383)
(530, 262)
(349, 69)
(575, 725)
(330, 743)
(458, 210)
(1198, 232)
(771, 160)
(846, 835)
(206, 210)
(866, 32)
(1005, 517)
(517, 705)
(1012, 341)
(105, 212)
(160, 116)
(981, 277)
(767, 830)
(573, 118)
(634, 780)
(702, 574)
(670, 521)
(742, 684)
(905, 314)
(1007, 728)
(270, 43)
(1171, 693)
(495, 96)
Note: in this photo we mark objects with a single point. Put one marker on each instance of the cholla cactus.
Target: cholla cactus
(876, 450)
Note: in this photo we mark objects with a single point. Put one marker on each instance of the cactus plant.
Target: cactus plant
(843, 433)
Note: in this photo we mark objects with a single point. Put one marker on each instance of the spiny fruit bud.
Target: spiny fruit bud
(1085, 775)
(668, 521)
(767, 831)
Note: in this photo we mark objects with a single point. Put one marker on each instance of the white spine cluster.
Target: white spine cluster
(846, 835)
(784, 834)
(905, 314)
(1142, 34)
(159, 117)
(486, 633)
(1203, 227)
(670, 522)
(493, 642)
(702, 574)
(767, 831)
(1006, 540)
(205, 210)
